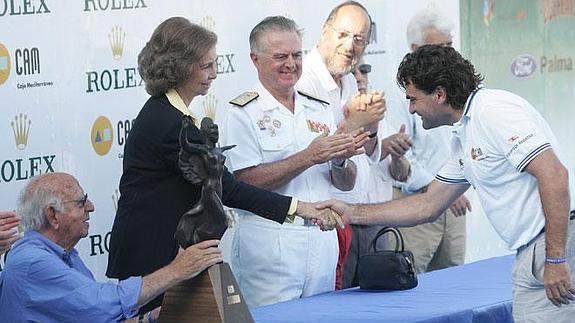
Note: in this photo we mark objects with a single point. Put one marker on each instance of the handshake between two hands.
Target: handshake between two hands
(328, 215)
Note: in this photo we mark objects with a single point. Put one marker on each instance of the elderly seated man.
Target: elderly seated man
(46, 281)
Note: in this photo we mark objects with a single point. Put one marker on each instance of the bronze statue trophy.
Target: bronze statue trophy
(213, 295)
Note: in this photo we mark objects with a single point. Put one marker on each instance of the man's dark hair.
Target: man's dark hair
(431, 66)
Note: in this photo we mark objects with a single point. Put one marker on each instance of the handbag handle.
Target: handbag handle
(396, 233)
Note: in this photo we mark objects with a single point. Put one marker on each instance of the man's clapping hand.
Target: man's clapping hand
(364, 110)
(397, 144)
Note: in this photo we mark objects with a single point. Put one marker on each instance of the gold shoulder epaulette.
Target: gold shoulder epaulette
(245, 98)
(311, 97)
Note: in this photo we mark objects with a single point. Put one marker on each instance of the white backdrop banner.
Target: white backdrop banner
(70, 89)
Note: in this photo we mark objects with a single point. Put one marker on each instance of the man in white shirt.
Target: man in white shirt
(504, 148)
(327, 75)
(286, 142)
(439, 244)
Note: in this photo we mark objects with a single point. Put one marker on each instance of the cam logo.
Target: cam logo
(116, 38)
(208, 23)
(27, 61)
(5, 64)
(102, 136)
(210, 106)
(21, 129)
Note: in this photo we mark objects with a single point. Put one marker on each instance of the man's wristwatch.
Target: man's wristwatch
(340, 166)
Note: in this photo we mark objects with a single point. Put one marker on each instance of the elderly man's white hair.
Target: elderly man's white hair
(40, 192)
(422, 22)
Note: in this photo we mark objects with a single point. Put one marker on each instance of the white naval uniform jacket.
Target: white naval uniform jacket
(265, 131)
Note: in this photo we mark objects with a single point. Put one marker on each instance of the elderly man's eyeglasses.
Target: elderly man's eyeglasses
(358, 39)
(81, 202)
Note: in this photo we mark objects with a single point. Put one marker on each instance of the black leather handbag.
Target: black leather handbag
(387, 269)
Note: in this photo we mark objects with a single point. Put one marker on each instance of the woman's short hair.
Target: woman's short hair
(175, 45)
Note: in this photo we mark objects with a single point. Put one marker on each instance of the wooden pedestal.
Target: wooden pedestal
(212, 296)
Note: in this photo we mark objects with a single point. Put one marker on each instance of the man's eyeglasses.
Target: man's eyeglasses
(364, 68)
(358, 39)
(81, 202)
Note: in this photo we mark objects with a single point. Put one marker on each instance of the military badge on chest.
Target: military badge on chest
(315, 126)
(272, 126)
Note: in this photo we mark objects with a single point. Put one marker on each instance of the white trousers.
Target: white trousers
(275, 263)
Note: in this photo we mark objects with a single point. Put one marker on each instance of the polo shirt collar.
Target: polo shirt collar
(467, 105)
(466, 109)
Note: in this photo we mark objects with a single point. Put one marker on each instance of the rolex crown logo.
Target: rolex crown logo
(210, 104)
(116, 38)
(208, 23)
(21, 129)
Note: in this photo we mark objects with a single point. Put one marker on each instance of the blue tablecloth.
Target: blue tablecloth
(476, 292)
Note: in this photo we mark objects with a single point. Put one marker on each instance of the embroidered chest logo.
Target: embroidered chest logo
(477, 154)
(314, 126)
(267, 124)
(512, 139)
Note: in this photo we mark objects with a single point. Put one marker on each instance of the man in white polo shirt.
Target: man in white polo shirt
(439, 244)
(505, 149)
